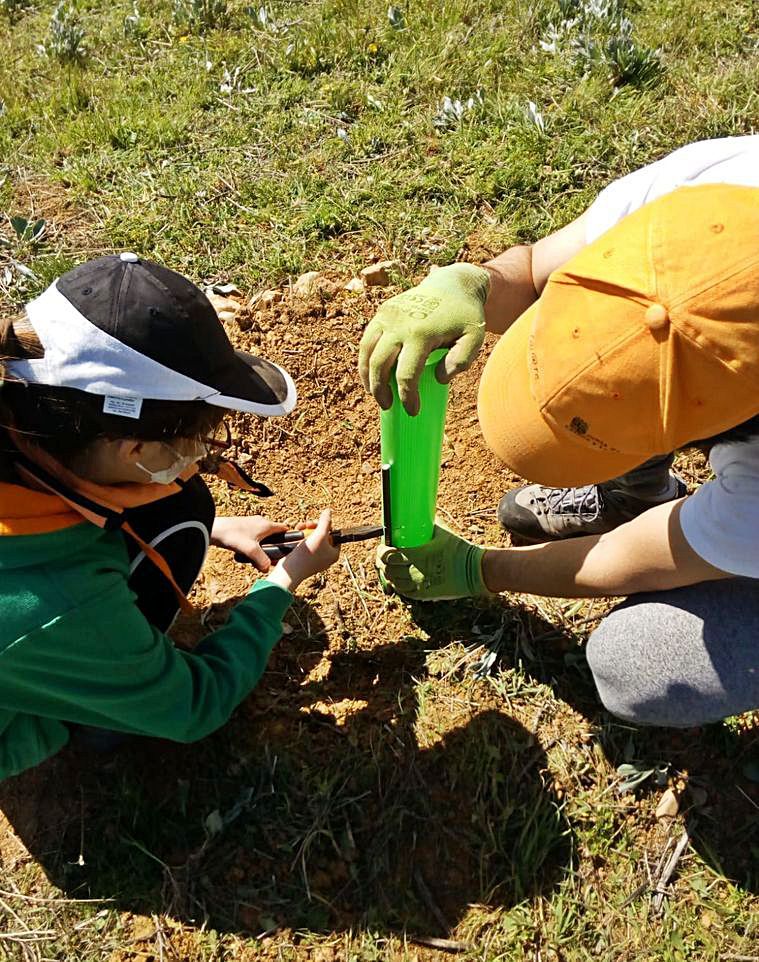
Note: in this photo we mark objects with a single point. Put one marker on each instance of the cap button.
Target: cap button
(129, 258)
(656, 317)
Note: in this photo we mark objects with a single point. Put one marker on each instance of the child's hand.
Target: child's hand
(244, 535)
(316, 553)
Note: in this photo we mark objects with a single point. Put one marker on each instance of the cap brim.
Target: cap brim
(518, 434)
(256, 386)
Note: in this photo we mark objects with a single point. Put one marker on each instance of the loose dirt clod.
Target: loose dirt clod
(226, 307)
(378, 275)
(266, 299)
(306, 284)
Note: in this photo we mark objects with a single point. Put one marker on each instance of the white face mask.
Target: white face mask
(170, 474)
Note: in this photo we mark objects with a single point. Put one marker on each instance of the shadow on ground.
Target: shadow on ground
(722, 811)
(354, 795)
(315, 808)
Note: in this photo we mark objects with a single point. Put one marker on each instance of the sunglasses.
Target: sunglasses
(215, 443)
(220, 439)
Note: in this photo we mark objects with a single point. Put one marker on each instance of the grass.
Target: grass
(257, 180)
(377, 790)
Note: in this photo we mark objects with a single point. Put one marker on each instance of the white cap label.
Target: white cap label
(125, 407)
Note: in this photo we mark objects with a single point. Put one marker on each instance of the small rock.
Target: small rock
(355, 284)
(267, 299)
(378, 275)
(222, 304)
(144, 929)
(306, 284)
(669, 805)
(367, 468)
(244, 321)
(226, 315)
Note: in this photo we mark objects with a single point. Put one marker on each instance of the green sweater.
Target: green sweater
(74, 647)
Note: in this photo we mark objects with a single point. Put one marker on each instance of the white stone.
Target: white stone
(221, 304)
(267, 299)
(378, 275)
(306, 284)
(669, 804)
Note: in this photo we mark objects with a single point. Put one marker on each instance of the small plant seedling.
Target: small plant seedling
(396, 18)
(452, 111)
(534, 117)
(65, 40)
(635, 774)
(134, 25)
(28, 231)
(631, 64)
(597, 35)
(200, 15)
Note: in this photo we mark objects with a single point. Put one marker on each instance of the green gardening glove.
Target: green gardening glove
(446, 567)
(446, 310)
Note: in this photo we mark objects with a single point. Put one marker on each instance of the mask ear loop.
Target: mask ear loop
(168, 475)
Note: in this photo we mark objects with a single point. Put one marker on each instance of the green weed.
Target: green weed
(199, 14)
(65, 40)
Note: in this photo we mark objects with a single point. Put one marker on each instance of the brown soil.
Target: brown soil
(326, 454)
(340, 681)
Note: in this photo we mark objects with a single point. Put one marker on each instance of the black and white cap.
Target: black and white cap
(131, 330)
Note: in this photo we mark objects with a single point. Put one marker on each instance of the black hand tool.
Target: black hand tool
(276, 546)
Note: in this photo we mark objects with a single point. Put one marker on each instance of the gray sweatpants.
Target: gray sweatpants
(680, 658)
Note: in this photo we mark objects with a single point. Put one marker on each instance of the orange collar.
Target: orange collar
(29, 510)
(23, 511)
(71, 499)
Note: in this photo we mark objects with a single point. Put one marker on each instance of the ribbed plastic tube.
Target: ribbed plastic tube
(411, 450)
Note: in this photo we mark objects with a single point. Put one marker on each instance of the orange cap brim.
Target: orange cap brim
(518, 434)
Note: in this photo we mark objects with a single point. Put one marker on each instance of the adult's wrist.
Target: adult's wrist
(512, 289)
(492, 569)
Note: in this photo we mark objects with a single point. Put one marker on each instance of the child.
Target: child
(112, 389)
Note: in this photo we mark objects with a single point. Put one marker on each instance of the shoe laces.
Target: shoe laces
(585, 502)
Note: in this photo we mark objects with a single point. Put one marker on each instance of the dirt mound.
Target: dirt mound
(327, 452)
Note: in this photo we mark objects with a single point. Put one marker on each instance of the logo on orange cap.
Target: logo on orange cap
(644, 341)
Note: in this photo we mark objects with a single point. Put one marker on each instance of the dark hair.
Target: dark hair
(65, 421)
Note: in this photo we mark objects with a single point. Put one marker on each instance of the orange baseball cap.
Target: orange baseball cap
(646, 340)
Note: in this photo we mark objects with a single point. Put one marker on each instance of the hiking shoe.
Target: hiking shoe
(536, 513)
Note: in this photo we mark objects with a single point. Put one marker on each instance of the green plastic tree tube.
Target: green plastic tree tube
(411, 449)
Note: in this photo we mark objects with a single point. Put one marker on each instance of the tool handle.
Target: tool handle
(276, 546)
(274, 552)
